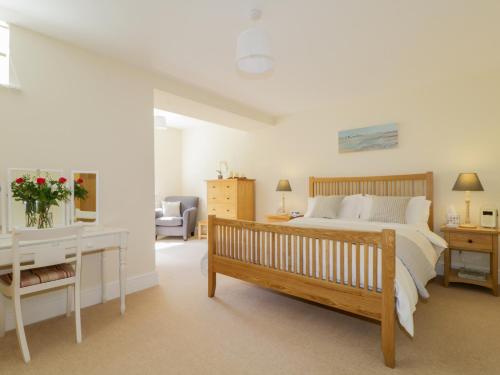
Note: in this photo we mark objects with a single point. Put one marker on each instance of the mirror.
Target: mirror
(20, 213)
(85, 197)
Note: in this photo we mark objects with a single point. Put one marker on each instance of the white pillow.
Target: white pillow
(322, 206)
(171, 209)
(350, 208)
(366, 207)
(418, 210)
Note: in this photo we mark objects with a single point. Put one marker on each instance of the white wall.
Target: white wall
(203, 147)
(445, 128)
(168, 163)
(77, 110)
(80, 111)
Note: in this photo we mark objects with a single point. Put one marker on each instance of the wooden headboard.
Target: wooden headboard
(409, 185)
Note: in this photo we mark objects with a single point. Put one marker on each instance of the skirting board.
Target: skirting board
(50, 305)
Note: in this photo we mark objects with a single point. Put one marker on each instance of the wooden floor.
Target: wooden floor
(176, 329)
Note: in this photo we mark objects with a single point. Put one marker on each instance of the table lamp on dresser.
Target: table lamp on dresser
(467, 182)
(283, 185)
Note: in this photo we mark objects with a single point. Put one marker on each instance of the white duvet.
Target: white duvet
(417, 252)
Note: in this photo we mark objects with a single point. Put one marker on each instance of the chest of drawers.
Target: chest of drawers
(231, 198)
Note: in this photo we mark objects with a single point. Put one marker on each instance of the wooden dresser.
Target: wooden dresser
(231, 198)
(479, 240)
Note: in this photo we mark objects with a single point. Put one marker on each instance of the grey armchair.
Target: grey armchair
(178, 226)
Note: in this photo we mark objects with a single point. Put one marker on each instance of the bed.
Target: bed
(339, 263)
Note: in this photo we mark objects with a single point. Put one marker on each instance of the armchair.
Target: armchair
(178, 226)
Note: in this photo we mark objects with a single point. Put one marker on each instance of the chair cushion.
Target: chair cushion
(169, 221)
(171, 209)
(42, 275)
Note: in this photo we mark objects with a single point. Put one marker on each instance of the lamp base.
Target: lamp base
(470, 226)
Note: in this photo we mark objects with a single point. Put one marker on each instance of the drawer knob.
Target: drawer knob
(469, 241)
(227, 210)
(227, 198)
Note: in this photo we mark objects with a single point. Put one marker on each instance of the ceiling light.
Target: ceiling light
(253, 50)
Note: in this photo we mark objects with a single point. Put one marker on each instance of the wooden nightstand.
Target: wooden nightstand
(482, 240)
(279, 218)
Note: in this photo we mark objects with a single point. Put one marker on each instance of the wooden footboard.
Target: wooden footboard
(311, 264)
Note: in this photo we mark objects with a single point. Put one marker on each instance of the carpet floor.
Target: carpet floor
(175, 329)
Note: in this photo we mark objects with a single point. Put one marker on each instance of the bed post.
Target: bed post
(388, 303)
(429, 195)
(212, 276)
(311, 186)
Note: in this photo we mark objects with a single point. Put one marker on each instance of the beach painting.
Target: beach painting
(377, 137)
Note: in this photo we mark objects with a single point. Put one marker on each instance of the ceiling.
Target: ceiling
(165, 119)
(324, 50)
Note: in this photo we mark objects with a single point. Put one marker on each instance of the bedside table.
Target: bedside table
(279, 218)
(481, 240)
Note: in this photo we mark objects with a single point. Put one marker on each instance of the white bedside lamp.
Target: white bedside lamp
(467, 182)
(283, 185)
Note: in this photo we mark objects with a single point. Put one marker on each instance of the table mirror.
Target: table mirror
(85, 197)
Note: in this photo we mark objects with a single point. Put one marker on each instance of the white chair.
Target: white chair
(52, 261)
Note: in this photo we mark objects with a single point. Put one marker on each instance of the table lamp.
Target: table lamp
(467, 182)
(283, 185)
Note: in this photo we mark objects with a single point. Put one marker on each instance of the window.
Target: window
(4, 54)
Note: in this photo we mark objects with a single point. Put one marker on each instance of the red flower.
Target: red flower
(62, 180)
(19, 180)
(79, 181)
(40, 180)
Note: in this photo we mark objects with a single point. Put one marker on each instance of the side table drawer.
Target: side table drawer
(472, 241)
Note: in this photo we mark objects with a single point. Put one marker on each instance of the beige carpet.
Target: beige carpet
(175, 329)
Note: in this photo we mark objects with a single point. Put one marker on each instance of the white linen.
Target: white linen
(351, 206)
(417, 252)
(388, 209)
(418, 210)
(322, 206)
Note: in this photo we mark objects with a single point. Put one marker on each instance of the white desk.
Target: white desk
(94, 238)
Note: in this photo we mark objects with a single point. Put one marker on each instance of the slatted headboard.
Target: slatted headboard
(409, 185)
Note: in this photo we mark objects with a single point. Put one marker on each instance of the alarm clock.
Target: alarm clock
(489, 217)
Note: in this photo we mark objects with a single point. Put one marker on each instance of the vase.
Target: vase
(30, 213)
(44, 216)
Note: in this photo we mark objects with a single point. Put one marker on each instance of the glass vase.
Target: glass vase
(30, 213)
(44, 216)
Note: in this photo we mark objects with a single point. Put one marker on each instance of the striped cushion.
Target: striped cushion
(389, 209)
(42, 275)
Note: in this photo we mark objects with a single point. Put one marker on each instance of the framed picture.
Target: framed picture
(378, 137)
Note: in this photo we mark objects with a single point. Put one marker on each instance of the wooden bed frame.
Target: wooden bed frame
(302, 262)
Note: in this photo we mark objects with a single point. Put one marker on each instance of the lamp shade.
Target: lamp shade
(253, 51)
(283, 185)
(468, 182)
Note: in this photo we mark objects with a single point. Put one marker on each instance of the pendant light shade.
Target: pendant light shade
(253, 50)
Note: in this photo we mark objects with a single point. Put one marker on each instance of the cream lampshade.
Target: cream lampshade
(467, 182)
(283, 185)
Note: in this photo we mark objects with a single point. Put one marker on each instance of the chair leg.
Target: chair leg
(78, 321)
(21, 336)
(2, 315)
(69, 300)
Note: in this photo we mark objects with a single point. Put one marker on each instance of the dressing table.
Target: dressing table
(95, 238)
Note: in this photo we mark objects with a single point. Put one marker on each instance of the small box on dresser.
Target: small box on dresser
(231, 198)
